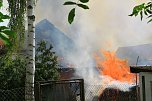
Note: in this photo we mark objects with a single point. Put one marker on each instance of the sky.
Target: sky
(105, 25)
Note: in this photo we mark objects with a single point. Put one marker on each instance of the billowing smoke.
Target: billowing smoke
(105, 25)
(106, 22)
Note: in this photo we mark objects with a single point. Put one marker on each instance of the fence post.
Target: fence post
(82, 95)
(37, 92)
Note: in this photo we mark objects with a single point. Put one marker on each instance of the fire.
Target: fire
(114, 67)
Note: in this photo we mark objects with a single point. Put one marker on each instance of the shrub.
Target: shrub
(12, 70)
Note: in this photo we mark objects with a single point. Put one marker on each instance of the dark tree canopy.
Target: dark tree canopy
(46, 63)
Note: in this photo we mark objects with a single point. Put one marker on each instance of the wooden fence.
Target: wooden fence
(62, 90)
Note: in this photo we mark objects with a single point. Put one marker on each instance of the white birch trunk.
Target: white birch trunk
(30, 69)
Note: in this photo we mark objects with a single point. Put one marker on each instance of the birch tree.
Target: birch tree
(30, 70)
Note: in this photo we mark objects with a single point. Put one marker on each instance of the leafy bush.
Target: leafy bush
(12, 70)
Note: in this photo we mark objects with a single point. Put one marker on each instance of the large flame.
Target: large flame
(114, 67)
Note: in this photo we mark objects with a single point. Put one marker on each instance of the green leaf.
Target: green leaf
(149, 16)
(69, 3)
(3, 28)
(5, 39)
(9, 33)
(84, 1)
(150, 21)
(83, 6)
(149, 11)
(6, 17)
(1, 20)
(141, 7)
(131, 14)
(1, 4)
(145, 12)
(149, 3)
(71, 16)
(137, 9)
(1, 15)
(141, 15)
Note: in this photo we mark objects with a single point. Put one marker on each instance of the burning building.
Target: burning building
(108, 71)
(117, 83)
(66, 73)
(114, 67)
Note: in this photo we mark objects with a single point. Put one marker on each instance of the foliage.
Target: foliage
(5, 33)
(72, 11)
(46, 63)
(17, 10)
(145, 8)
(12, 72)
(71, 15)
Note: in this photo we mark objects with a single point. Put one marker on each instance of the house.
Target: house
(67, 73)
(145, 81)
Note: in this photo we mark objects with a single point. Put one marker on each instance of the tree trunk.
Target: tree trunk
(30, 69)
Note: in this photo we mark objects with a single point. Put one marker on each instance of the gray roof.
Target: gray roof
(131, 53)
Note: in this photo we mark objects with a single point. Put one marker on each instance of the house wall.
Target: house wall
(145, 79)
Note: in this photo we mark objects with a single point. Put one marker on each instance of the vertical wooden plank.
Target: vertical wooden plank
(143, 88)
(82, 95)
(37, 92)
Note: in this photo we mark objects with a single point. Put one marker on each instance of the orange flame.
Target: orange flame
(114, 67)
